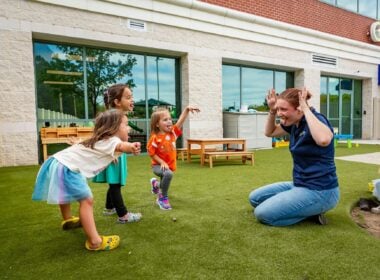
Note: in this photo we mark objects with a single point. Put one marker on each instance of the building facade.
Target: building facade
(218, 55)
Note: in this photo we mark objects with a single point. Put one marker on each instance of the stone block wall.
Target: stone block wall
(18, 135)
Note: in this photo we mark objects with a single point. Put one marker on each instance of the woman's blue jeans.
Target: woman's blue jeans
(283, 204)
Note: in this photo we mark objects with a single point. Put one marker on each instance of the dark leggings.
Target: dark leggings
(115, 200)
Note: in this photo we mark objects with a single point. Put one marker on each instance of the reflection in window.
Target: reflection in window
(346, 99)
(71, 80)
(60, 81)
(332, 2)
(248, 86)
(333, 88)
(350, 5)
(357, 110)
(105, 68)
(161, 84)
(323, 96)
(255, 84)
(368, 8)
(341, 102)
(231, 87)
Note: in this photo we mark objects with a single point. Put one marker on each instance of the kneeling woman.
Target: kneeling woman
(314, 189)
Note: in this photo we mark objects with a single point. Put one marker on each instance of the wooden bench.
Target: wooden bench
(59, 135)
(243, 155)
(182, 152)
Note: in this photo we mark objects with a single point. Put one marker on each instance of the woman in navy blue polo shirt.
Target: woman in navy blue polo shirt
(314, 189)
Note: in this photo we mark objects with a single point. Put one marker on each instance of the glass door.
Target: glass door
(333, 108)
(341, 103)
(346, 105)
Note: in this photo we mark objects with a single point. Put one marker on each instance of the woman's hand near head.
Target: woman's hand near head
(302, 100)
(320, 132)
(271, 100)
(272, 129)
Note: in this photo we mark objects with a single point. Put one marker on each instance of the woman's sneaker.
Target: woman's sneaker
(129, 218)
(154, 184)
(319, 219)
(163, 202)
(109, 212)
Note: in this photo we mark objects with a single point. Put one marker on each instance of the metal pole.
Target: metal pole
(158, 81)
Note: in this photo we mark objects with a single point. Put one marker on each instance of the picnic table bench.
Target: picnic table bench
(59, 135)
(243, 155)
(238, 144)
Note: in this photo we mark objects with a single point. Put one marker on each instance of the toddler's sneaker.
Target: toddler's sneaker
(129, 218)
(154, 183)
(163, 202)
(109, 212)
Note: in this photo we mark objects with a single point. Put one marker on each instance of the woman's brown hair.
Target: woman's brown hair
(106, 125)
(291, 95)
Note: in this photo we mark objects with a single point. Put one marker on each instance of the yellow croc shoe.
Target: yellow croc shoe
(108, 243)
(73, 222)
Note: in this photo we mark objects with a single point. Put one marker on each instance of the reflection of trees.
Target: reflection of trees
(140, 107)
(261, 108)
(64, 73)
(53, 86)
(101, 71)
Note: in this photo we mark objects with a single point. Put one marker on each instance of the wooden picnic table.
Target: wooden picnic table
(59, 135)
(202, 143)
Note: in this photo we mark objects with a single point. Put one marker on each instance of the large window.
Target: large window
(71, 80)
(350, 5)
(341, 103)
(368, 8)
(248, 86)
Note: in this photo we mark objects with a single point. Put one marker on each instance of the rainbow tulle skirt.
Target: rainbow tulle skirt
(57, 184)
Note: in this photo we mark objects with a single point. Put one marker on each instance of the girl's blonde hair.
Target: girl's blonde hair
(106, 125)
(155, 119)
(291, 95)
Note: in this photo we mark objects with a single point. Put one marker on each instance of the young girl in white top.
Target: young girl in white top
(62, 178)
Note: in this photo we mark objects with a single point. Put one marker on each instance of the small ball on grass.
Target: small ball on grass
(174, 219)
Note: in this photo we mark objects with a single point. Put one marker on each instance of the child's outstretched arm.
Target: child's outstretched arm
(185, 113)
(128, 147)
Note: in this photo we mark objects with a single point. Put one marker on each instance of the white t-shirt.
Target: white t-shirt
(87, 161)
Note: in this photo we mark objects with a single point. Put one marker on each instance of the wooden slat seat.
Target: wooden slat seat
(243, 155)
(59, 135)
(182, 152)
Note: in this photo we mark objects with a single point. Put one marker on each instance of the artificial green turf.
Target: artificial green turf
(215, 235)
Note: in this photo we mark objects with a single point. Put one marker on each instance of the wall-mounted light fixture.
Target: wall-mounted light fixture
(375, 31)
